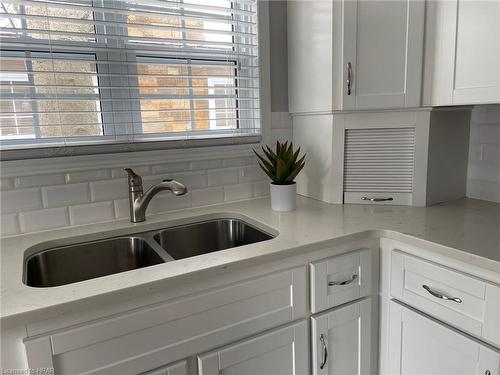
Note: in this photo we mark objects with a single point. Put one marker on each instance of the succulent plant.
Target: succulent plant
(281, 165)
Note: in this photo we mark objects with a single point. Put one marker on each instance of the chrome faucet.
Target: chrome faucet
(139, 201)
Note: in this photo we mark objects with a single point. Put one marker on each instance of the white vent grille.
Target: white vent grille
(379, 160)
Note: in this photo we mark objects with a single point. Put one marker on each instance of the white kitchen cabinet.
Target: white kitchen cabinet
(399, 157)
(179, 368)
(340, 279)
(280, 352)
(465, 302)
(462, 53)
(349, 55)
(419, 345)
(144, 339)
(341, 340)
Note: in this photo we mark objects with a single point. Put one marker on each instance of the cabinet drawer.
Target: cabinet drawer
(466, 302)
(340, 279)
(148, 338)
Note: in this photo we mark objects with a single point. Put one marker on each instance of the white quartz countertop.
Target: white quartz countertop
(466, 231)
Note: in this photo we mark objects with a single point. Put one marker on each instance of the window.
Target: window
(76, 72)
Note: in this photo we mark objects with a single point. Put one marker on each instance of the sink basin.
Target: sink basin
(208, 236)
(73, 263)
(68, 264)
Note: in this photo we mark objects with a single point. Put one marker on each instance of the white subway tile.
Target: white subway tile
(88, 176)
(491, 153)
(240, 161)
(490, 191)
(475, 151)
(207, 196)
(474, 189)
(481, 133)
(122, 208)
(262, 189)
(9, 225)
(20, 200)
(275, 120)
(167, 202)
(221, 177)
(286, 120)
(142, 170)
(170, 168)
(109, 189)
(65, 195)
(206, 164)
(192, 180)
(39, 180)
(483, 172)
(7, 183)
(238, 192)
(281, 135)
(91, 213)
(33, 221)
(251, 174)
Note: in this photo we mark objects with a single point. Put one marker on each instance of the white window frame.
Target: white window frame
(155, 143)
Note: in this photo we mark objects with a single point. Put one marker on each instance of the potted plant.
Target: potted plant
(282, 166)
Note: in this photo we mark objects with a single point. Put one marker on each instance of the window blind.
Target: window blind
(111, 71)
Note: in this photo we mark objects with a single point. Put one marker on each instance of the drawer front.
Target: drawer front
(340, 279)
(370, 197)
(469, 304)
(136, 342)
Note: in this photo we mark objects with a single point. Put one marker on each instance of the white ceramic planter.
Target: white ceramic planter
(283, 197)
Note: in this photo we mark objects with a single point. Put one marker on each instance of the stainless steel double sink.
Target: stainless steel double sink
(83, 261)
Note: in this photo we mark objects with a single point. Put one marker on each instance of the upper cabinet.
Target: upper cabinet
(350, 55)
(462, 53)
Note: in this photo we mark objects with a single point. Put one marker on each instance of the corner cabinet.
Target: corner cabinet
(462, 53)
(421, 345)
(341, 340)
(280, 352)
(350, 55)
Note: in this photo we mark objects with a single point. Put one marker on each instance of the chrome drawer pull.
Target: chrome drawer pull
(441, 296)
(325, 352)
(345, 282)
(382, 199)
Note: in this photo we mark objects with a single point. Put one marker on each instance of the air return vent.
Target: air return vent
(378, 163)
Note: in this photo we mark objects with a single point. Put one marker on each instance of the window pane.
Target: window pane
(49, 95)
(177, 95)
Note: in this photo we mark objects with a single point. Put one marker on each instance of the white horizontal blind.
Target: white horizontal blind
(94, 71)
(379, 160)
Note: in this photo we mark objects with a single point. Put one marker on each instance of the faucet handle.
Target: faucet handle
(133, 178)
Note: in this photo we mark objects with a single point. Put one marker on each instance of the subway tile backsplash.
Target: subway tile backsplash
(483, 174)
(39, 202)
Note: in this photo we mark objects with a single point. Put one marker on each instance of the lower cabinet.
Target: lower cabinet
(421, 345)
(342, 339)
(283, 351)
(179, 368)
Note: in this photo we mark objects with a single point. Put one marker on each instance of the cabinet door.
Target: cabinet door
(420, 345)
(179, 368)
(279, 352)
(382, 54)
(462, 53)
(341, 340)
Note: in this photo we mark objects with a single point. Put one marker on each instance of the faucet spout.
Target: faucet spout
(139, 201)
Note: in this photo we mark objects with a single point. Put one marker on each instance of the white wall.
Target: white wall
(483, 174)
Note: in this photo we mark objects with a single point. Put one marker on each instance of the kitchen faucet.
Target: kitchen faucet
(139, 201)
